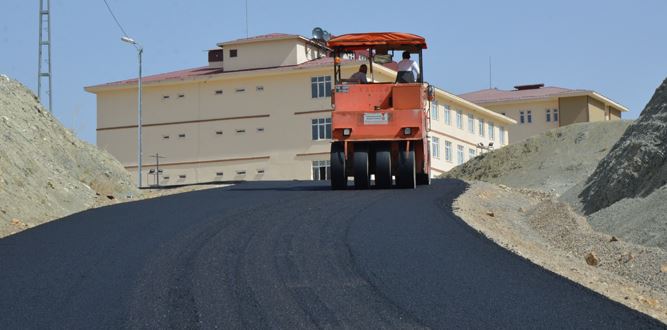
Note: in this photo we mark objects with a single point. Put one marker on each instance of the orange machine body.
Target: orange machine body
(380, 129)
(379, 112)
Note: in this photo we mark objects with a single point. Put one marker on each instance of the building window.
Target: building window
(435, 147)
(240, 172)
(259, 88)
(240, 90)
(219, 173)
(448, 151)
(218, 92)
(471, 123)
(260, 129)
(530, 116)
(481, 127)
(459, 154)
(233, 53)
(448, 117)
(260, 171)
(434, 110)
(522, 117)
(472, 153)
(321, 129)
(182, 176)
(218, 132)
(320, 86)
(180, 96)
(321, 169)
(548, 115)
(501, 133)
(182, 135)
(492, 135)
(240, 131)
(556, 115)
(459, 119)
(164, 97)
(165, 137)
(504, 114)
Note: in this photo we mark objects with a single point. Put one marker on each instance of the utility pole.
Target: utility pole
(44, 73)
(140, 51)
(157, 168)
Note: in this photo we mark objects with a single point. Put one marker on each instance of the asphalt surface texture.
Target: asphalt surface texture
(285, 255)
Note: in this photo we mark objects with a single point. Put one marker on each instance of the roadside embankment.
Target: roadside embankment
(586, 201)
(46, 172)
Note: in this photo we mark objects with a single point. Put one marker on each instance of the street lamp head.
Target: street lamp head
(128, 40)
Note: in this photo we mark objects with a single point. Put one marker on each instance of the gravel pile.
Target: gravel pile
(554, 161)
(639, 220)
(614, 172)
(45, 171)
(550, 233)
(637, 165)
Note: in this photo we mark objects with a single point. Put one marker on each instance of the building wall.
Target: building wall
(573, 110)
(614, 114)
(538, 122)
(261, 55)
(254, 127)
(449, 132)
(260, 126)
(596, 110)
(307, 52)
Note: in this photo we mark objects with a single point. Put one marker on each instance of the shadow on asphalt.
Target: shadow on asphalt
(321, 186)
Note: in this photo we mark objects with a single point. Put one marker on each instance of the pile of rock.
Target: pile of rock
(637, 165)
(626, 194)
(45, 171)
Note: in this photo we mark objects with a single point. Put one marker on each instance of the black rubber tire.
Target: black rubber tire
(406, 169)
(383, 166)
(338, 175)
(362, 176)
(423, 179)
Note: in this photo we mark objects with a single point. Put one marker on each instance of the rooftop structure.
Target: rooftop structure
(537, 107)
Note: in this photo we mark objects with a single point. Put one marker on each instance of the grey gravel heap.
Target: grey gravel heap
(636, 165)
(45, 171)
(553, 161)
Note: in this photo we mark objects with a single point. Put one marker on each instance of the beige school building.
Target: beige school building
(537, 108)
(261, 110)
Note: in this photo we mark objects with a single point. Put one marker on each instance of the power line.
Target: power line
(115, 19)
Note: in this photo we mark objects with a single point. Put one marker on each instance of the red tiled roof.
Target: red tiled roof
(498, 95)
(200, 71)
(262, 37)
(208, 71)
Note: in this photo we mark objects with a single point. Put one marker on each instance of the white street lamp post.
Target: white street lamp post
(140, 51)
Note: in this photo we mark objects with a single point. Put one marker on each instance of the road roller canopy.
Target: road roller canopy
(378, 40)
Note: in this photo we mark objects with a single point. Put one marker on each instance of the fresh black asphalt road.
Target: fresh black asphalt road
(285, 255)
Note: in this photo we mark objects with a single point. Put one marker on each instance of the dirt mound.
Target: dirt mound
(637, 165)
(45, 171)
(553, 235)
(553, 161)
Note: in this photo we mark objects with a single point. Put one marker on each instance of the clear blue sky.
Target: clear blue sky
(614, 47)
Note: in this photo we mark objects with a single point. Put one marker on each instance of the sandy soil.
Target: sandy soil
(535, 225)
